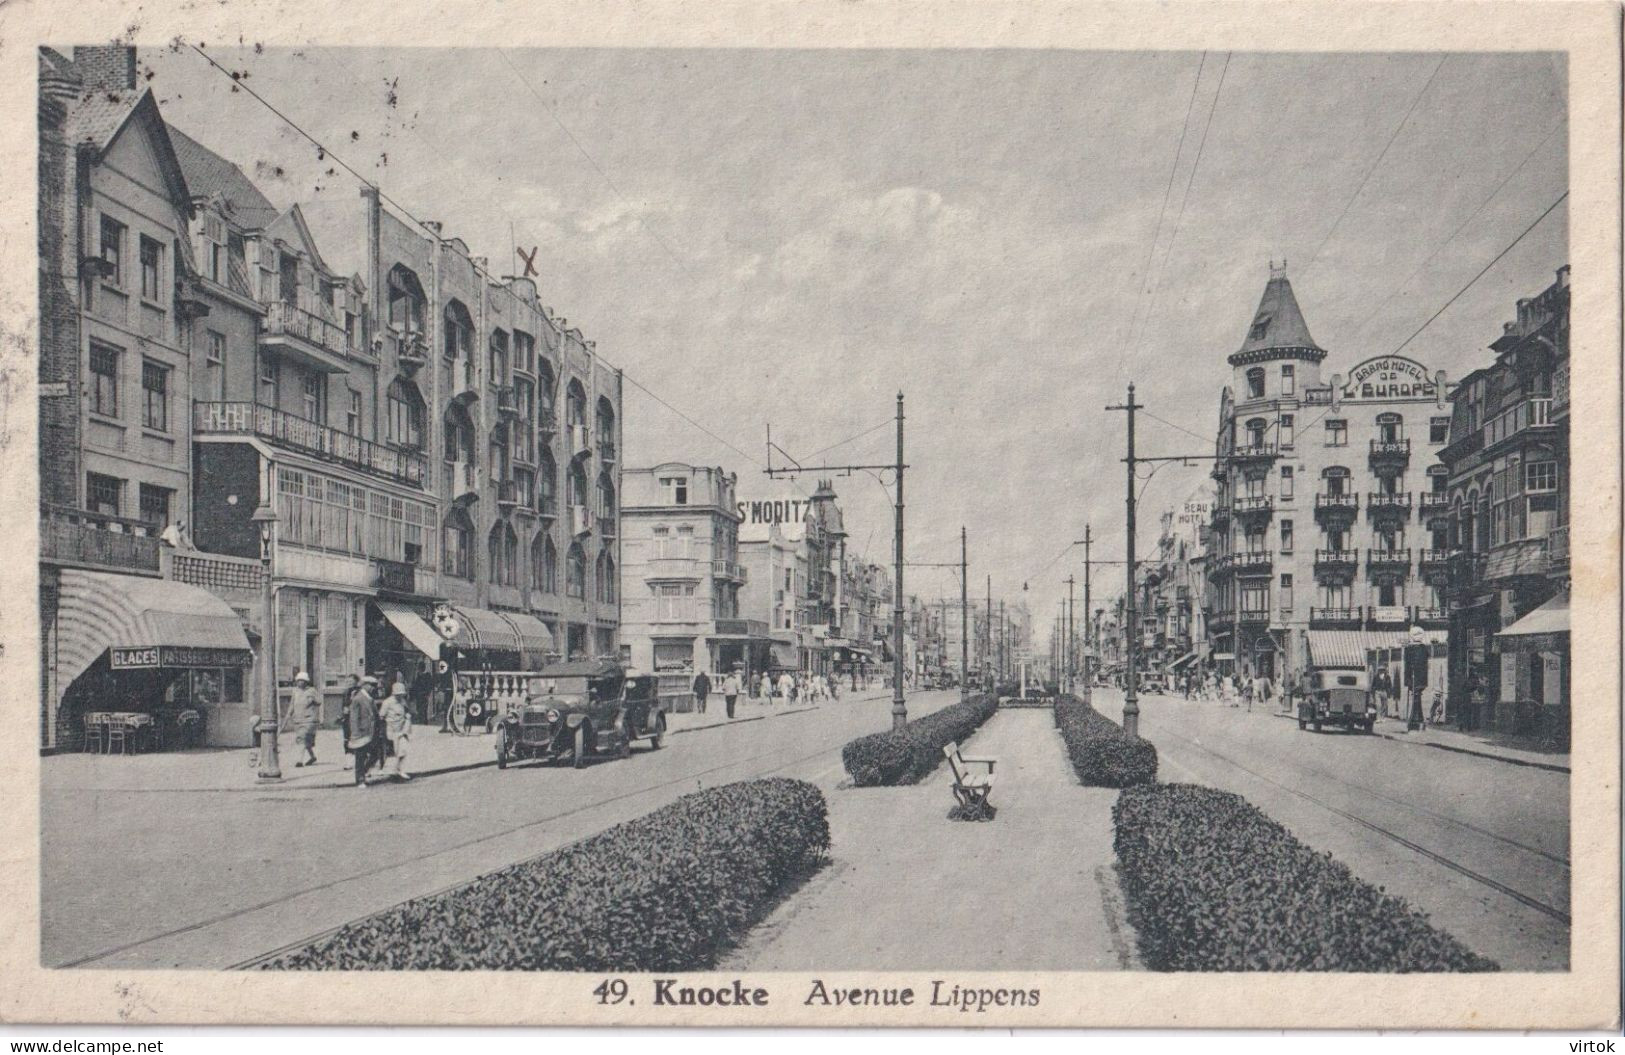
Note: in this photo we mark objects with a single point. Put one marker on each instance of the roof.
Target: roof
(338, 224)
(209, 175)
(1278, 323)
(99, 116)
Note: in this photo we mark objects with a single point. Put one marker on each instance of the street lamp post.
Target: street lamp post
(270, 765)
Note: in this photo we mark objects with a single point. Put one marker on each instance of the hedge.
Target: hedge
(669, 891)
(1103, 755)
(904, 756)
(1213, 884)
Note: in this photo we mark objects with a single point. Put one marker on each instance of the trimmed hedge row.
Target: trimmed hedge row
(1102, 754)
(905, 756)
(1213, 884)
(669, 891)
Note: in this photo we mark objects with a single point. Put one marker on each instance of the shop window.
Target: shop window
(104, 361)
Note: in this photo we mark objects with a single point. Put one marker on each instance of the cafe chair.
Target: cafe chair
(118, 736)
(93, 734)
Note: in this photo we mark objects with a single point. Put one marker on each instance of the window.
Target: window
(606, 498)
(1286, 536)
(113, 250)
(1286, 430)
(676, 488)
(606, 578)
(103, 494)
(504, 555)
(155, 395)
(406, 414)
(313, 396)
(1337, 432)
(270, 380)
(458, 435)
(1286, 593)
(1289, 380)
(674, 602)
(287, 285)
(575, 572)
(458, 545)
(1438, 430)
(152, 267)
(1255, 432)
(1389, 428)
(544, 564)
(1255, 600)
(524, 351)
(1286, 481)
(215, 364)
(406, 301)
(1540, 477)
(104, 380)
(575, 404)
(547, 475)
(217, 347)
(352, 416)
(1387, 595)
(499, 357)
(155, 502)
(1255, 383)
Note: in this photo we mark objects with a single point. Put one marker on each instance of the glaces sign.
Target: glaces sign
(1389, 377)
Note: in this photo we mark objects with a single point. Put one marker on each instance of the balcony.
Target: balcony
(1253, 617)
(1247, 562)
(1388, 507)
(1336, 509)
(1254, 455)
(547, 505)
(730, 570)
(462, 482)
(580, 441)
(412, 353)
(606, 450)
(507, 494)
(393, 576)
(1334, 618)
(1253, 508)
(1433, 558)
(608, 526)
(580, 520)
(1390, 456)
(547, 423)
(318, 342)
(308, 437)
(76, 538)
(1433, 504)
(1336, 558)
(1557, 550)
(506, 400)
(1221, 515)
(1388, 560)
(1509, 425)
(1430, 618)
(1388, 615)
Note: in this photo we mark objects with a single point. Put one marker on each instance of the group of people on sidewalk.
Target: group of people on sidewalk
(376, 725)
(788, 686)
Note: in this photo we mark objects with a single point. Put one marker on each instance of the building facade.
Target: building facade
(1508, 491)
(1329, 515)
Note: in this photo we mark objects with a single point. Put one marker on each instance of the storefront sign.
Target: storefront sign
(154, 656)
(1389, 377)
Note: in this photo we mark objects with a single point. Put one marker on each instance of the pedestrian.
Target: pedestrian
(730, 691)
(304, 714)
(787, 686)
(702, 689)
(397, 722)
(360, 722)
(1385, 692)
(755, 684)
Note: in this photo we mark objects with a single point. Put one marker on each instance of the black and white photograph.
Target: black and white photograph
(835, 528)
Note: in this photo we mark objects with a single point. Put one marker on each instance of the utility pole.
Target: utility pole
(1131, 703)
(1088, 642)
(987, 636)
(964, 618)
(1004, 644)
(1067, 658)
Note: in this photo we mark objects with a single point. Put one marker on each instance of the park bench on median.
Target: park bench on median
(971, 789)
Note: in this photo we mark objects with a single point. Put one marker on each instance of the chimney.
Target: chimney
(433, 225)
(106, 67)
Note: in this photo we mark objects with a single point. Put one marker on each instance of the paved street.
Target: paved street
(163, 873)
(1481, 845)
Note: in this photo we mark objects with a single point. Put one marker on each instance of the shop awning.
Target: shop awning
(1182, 660)
(412, 626)
(535, 639)
(147, 623)
(483, 628)
(1544, 621)
(1349, 648)
(783, 655)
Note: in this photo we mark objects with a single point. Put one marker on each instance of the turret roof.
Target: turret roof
(1278, 324)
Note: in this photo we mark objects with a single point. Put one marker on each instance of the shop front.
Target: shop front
(147, 664)
(1533, 655)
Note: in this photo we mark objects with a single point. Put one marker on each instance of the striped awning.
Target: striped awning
(147, 623)
(535, 639)
(482, 628)
(412, 626)
(1350, 648)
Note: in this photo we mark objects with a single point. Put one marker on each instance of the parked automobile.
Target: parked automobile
(580, 709)
(1338, 696)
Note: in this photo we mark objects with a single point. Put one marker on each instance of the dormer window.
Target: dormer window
(1261, 326)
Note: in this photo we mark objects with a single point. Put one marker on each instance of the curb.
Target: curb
(740, 721)
(1552, 767)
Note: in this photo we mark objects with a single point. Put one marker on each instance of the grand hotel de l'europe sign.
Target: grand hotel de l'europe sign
(1389, 377)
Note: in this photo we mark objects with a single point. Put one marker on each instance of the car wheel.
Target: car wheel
(502, 750)
(1317, 727)
(1302, 724)
(659, 736)
(1369, 725)
(581, 746)
(624, 749)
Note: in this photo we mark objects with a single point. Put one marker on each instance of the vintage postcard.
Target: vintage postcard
(964, 514)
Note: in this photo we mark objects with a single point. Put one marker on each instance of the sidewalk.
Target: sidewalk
(1500, 747)
(908, 889)
(433, 753)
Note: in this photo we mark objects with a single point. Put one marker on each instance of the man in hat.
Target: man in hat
(730, 690)
(304, 714)
(361, 722)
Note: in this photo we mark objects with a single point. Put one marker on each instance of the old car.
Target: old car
(1338, 696)
(579, 709)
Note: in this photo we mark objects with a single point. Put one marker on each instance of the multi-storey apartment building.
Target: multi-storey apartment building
(1330, 512)
(682, 574)
(1508, 491)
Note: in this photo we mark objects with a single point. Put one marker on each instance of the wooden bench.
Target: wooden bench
(971, 788)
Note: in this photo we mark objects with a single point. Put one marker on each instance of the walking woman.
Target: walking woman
(361, 723)
(397, 722)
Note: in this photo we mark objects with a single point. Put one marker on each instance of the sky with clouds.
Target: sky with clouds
(1008, 237)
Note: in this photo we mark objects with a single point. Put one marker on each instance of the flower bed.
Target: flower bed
(904, 756)
(669, 891)
(1102, 754)
(1213, 884)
